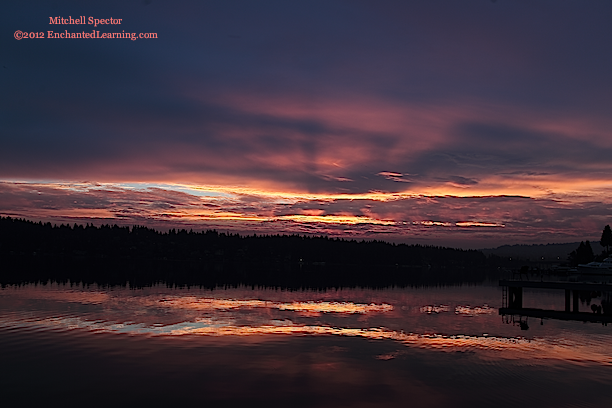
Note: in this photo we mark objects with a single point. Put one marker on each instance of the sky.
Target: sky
(470, 124)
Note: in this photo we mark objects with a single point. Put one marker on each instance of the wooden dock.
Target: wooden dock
(512, 300)
(558, 315)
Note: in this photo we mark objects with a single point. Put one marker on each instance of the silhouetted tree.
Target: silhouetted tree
(606, 238)
(582, 255)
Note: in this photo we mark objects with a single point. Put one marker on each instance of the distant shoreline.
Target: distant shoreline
(39, 252)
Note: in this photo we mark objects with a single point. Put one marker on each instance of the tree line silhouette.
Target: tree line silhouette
(584, 253)
(38, 252)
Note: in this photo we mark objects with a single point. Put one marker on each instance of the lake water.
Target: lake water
(408, 347)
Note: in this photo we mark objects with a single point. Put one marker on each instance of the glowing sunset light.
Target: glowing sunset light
(336, 219)
(400, 215)
(271, 134)
(433, 223)
(478, 224)
(230, 216)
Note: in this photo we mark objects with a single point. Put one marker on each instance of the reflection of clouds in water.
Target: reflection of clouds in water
(237, 315)
(512, 347)
(200, 303)
(192, 302)
(154, 304)
(69, 296)
(459, 310)
(429, 309)
(474, 311)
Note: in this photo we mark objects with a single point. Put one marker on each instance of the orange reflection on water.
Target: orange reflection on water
(193, 302)
(459, 310)
(474, 311)
(251, 320)
(512, 348)
(429, 309)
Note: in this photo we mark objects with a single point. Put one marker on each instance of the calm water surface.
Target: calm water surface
(410, 347)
